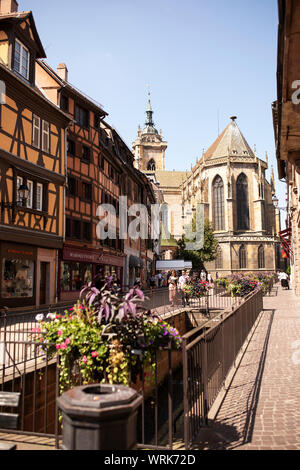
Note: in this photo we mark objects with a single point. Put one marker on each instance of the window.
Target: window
(39, 197)
(243, 257)
(18, 278)
(21, 59)
(86, 229)
(65, 277)
(76, 278)
(46, 136)
(219, 259)
(68, 228)
(64, 103)
(151, 166)
(218, 204)
(261, 257)
(82, 116)
(242, 202)
(71, 186)
(87, 191)
(30, 194)
(71, 147)
(86, 153)
(36, 131)
(76, 229)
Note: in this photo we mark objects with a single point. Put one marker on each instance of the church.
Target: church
(230, 181)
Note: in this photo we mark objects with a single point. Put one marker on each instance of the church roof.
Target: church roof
(230, 142)
(172, 179)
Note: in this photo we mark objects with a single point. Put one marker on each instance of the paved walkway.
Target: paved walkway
(260, 409)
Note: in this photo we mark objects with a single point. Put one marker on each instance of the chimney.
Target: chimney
(8, 6)
(62, 72)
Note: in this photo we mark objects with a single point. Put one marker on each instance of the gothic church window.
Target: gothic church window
(219, 259)
(242, 201)
(218, 204)
(242, 257)
(261, 257)
(151, 166)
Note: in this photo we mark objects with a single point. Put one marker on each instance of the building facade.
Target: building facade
(32, 168)
(230, 182)
(286, 117)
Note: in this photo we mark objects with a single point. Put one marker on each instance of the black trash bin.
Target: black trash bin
(99, 417)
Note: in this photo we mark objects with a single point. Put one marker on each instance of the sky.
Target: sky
(203, 62)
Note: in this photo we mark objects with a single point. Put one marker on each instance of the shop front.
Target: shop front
(78, 267)
(27, 275)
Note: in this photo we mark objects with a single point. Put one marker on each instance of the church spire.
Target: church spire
(149, 113)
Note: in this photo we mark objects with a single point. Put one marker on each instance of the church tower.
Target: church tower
(149, 148)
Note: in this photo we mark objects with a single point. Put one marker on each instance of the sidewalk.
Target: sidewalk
(260, 409)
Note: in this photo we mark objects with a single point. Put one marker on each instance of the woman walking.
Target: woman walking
(173, 287)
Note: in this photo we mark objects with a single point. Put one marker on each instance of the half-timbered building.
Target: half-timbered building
(32, 168)
(100, 169)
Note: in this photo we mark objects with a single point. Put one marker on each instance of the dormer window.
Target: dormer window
(21, 60)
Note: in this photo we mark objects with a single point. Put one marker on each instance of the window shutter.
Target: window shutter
(46, 137)
(36, 131)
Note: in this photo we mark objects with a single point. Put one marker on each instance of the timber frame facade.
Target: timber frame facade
(99, 170)
(32, 152)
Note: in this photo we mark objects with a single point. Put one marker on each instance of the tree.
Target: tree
(198, 257)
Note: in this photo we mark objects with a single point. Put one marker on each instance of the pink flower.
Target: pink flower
(36, 330)
(68, 341)
(63, 346)
(58, 346)
(84, 359)
(59, 332)
(94, 354)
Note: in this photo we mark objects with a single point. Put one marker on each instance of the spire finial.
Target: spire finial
(233, 118)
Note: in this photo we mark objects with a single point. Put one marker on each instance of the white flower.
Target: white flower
(52, 316)
(40, 317)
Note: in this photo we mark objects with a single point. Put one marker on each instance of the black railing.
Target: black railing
(175, 403)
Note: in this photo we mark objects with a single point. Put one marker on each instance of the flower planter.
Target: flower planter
(99, 417)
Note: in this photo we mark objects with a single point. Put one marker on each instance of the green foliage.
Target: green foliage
(105, 337)
(199, 257)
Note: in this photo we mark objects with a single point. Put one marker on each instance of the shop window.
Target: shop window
(65, 276)
(18, 278)
(88, 273)
(76, 277)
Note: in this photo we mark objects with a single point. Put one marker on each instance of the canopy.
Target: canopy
(176, 264)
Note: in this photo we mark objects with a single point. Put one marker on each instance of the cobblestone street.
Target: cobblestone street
(260, 407)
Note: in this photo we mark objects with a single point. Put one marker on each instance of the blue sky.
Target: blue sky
(202, 59)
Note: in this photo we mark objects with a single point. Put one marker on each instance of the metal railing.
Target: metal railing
(208, 358)
(175, 403)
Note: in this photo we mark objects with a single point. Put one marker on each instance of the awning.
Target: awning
(285, 238)
(176, 264)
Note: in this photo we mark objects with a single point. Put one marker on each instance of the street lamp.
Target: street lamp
(23, 194)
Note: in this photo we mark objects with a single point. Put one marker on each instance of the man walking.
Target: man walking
(181, 282)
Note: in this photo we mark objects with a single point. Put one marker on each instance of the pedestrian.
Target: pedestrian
(152, 283)
(173, 288)
(203, 275)
(181, 282)
(284, 278)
